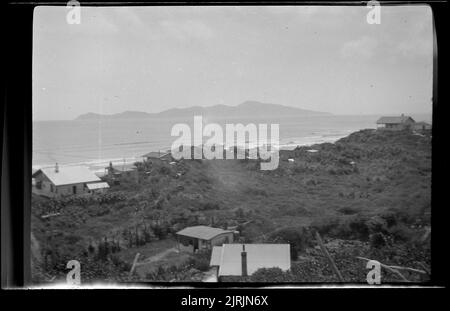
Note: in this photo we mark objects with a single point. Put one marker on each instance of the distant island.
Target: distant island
(246, 109)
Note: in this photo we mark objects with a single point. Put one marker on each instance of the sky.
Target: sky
(156, 58)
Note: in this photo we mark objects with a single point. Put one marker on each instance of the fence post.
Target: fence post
(133, 266)
(330, 260)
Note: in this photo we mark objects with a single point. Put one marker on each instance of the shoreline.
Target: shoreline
(289, 144)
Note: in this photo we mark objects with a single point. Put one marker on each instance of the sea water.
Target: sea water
(95, 143)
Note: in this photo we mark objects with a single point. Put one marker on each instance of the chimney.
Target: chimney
(244, 261)
(56, 168)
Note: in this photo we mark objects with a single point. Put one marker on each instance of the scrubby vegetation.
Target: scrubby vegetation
(370, 190)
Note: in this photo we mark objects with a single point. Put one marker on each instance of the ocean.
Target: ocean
(97, 142)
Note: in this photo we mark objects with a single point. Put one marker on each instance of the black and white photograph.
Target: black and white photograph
(231, 144)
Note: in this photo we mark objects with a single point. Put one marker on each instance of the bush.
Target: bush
(401, 233)
(348, 210)
(271, 275)
(298, 238)
(377, 240)
(201, 261)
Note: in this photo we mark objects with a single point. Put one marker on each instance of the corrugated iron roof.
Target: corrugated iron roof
(216, 254)
(258, 256)
(67, 175)
(202, 232)
(393, 120)
(97, 185)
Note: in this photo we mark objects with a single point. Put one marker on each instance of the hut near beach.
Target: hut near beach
(198, 238)
(395, 123)
(66, 180)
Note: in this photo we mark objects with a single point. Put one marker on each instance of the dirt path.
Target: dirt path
(230, 175)
(158, 256)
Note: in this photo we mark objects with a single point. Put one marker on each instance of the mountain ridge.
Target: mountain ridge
(245, 109)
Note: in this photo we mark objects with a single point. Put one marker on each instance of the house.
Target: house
(245, 259)
(197, 238)
(127, 171)
(395, 123)
(422, 126)
(67, 180)
(158, 156)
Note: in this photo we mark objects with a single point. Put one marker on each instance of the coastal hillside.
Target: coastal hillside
(368, 195)
(246, 109)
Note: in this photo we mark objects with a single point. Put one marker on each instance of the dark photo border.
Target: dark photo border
(16, 154)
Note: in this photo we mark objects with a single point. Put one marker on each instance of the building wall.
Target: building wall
(68, 189)
(185, 244)
(44, 189)
(222, 239)
(43, 186)
(397, 126)
(422, 127)
(101, 190)
(189, 244)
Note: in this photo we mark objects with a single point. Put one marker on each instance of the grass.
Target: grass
(147, 250)
(391, 174)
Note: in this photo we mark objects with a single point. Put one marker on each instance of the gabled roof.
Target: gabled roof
(67, 175)
(394, 120)
(228, 258)
(202, 232)
(155, 154)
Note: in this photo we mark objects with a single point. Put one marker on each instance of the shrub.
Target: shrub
(347, 210)
(201, 261)
(401, 233)
(298, 238)
(377, 240)
(272, 275)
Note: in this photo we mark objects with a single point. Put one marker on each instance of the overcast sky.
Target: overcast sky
(155, 58)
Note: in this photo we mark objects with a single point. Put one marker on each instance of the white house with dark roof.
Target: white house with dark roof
(198, 238)
(246, 259)
(395, 123)
(66, 180)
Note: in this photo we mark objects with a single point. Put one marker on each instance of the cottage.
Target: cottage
(197, 238)
(127, 171)
(395, 123)
(422, 126)
(245, 259)
(67, 180)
